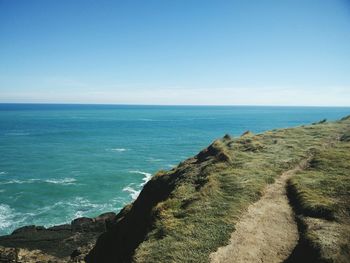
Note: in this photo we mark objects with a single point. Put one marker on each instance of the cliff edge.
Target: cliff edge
(234, 188)
(185, 214)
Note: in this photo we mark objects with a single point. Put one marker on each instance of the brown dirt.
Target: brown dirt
(267, 232)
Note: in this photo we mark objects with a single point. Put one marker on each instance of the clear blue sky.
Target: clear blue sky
(281, 52)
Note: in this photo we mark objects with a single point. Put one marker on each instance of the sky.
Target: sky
(169, 52)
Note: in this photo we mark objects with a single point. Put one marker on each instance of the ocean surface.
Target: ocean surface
(59, 162)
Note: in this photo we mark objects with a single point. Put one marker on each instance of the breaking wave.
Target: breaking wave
(6, 216)
(134, 190)
(77, 207)
(146, 178)
(63, 181)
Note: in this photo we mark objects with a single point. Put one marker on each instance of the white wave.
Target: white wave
(133, 192)
(146, 178)
(3, 173)
(64, 181)
(73, 208)
(171, 165)
(11, 182)
(79, 205)
(78, 214)
(117, 149)
(139, 172)
(14, 181)
(6, 216)
(82, 202)
(10, 219)
(151, 159)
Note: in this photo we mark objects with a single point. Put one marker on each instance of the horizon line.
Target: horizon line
(172, 105)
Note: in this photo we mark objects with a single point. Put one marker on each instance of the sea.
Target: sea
(62, 161)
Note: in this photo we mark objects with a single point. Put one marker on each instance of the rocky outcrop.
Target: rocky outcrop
(21, 255)
(54, 244)
(133, 223)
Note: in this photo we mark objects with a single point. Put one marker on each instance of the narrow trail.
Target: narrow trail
(267, 232)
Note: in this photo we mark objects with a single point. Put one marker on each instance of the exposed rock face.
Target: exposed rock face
(54, 244)
(8, 255)
(20, 255)
(120, 241)
(135, 221)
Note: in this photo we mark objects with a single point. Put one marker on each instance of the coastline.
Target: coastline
(59, 243)
(172, 201)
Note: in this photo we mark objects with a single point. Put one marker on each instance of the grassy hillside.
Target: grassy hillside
(321, 197)
(184, 214)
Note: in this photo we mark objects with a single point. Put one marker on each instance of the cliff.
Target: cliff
(185, 214)
(194, 212)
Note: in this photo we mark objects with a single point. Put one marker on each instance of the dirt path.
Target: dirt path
(267, 232)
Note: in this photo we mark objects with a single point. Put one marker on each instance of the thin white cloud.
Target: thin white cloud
(331, 96)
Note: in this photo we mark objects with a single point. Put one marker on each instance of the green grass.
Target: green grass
(184, 214)
(321, 196)
(213, 189)
(323, 189)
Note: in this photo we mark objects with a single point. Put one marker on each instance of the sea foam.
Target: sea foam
(64, 181)
(6, 216)
(146, 178)
(133, 190)
(15, 181)
(151, 159)
(76, 207)
(117, 149)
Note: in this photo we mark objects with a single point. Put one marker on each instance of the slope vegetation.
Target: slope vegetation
(321, 198)
(267, 232)
(187, 213)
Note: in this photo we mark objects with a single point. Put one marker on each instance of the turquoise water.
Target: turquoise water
(58, 162)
